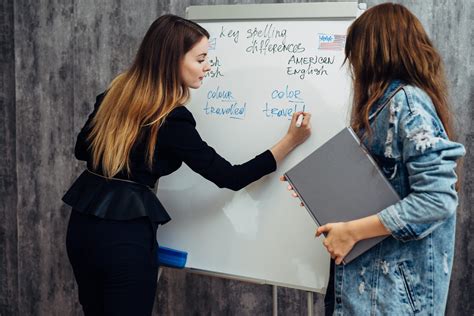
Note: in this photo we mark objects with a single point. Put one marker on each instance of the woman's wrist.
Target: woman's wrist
(289, 140)
(355, 230)
(282, 148)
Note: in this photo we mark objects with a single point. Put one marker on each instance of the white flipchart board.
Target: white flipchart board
(268, 61)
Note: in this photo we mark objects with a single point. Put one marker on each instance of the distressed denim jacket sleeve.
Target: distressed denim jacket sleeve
(430, 160)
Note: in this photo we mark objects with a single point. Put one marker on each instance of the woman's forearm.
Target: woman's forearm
(281, 149)
(367, 227)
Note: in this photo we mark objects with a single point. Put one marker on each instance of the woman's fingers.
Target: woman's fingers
(306, 120)
(299, 133)
(321, 230)
(339, 241)
(293, 193)
(290, 188)
(295, 116)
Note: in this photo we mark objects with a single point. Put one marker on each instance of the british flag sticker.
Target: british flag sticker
(212, 43)
(331, 41)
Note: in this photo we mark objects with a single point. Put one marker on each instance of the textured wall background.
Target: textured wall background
(55, 56)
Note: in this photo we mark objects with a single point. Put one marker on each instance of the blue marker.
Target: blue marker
(171, 257)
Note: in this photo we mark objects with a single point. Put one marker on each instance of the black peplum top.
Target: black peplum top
(130, 196)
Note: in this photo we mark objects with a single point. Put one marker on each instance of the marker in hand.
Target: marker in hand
(299, 120)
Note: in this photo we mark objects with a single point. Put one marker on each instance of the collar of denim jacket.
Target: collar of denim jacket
(393, 87)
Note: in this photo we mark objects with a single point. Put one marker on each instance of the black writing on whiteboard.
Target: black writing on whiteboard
(266, 46)
(229, 33)
(216, 68)
(302, 72)
(306, 60)
(302, 66)
(271, 39)
(269, 31)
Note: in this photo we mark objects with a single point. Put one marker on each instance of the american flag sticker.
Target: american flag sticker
(331, 41)
(212, 43)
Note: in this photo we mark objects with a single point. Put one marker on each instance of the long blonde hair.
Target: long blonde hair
(139, 100)
(388, 42)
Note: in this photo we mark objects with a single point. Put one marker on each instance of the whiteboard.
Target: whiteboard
(263, 70)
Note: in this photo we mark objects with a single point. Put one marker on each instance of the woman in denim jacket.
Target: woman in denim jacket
(400, 111)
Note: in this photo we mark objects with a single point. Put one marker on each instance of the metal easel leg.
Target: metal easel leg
(275, 300)
(310, 303)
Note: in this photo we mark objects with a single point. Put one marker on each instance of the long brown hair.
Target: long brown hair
(144, 95)
(388, 42)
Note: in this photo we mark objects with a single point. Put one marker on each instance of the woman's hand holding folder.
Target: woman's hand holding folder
(293, 193)
(341, 237)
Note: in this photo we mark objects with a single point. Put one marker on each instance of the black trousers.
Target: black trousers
(114, 264)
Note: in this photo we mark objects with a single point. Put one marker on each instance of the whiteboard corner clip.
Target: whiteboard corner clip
(362, 6)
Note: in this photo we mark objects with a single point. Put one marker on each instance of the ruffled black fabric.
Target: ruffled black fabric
(114, 199)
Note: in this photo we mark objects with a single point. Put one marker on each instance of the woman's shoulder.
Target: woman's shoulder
(180, 113)
(413, 108)
(178, 126)
(98, 99)
(411, 101)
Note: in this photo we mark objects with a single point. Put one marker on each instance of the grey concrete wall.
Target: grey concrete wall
(8, 178)
(55, 56)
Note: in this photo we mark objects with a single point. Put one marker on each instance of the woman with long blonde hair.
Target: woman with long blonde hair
(139, 131)
(401, 112)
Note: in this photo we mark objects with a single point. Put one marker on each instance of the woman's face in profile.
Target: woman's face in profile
(195, 64)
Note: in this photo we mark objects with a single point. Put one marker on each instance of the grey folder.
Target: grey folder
(340, 182)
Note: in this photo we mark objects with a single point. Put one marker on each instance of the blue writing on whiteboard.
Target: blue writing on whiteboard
(234, 110)
(286, 93)
(218, 94)
(283, 112)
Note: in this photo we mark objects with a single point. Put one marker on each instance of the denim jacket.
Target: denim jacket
(408, 273)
